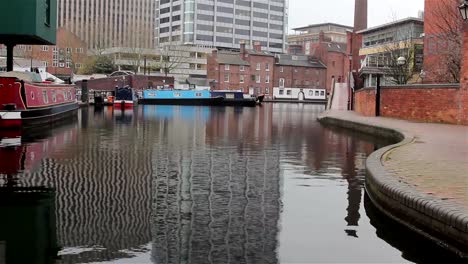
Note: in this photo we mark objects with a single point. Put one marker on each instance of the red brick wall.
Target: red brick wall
(440, 17)
(364, 101)
(306, 77)
(263, 60)
(427, 104)
(138, 82)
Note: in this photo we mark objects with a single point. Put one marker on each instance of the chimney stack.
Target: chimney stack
(258, 46)
(242, 48)
(360, 15)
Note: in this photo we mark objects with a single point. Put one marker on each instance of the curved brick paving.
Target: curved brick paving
(427, 174)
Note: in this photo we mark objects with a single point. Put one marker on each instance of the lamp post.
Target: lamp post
(401, 61)
(464, 10)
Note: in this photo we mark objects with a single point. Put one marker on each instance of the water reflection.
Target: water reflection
(27, 224)
(182, 184)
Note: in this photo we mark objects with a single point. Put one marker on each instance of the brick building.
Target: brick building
(66, 57)
(250, 70)
(299, 77)
(442, 41)
(258, 72)
(327, 42)
(335, 57)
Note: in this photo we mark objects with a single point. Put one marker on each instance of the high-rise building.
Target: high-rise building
(222, 23)
(109, 23)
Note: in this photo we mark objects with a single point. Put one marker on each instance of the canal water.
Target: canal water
(180, 184)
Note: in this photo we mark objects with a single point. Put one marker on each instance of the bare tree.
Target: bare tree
(447, 42)
(172, 57)
(399, 73)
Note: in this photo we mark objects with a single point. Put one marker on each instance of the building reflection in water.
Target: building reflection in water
(28, 214)
(214, 201)
(27, 225)
(202, 185)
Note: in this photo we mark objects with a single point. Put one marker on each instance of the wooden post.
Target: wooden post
(377, 96)
(10, 48)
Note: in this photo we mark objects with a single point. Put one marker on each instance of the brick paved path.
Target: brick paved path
(435, 163)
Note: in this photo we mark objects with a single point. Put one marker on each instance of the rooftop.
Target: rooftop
(321, 25)
(230, 58)
(299, 60)
(392, 24)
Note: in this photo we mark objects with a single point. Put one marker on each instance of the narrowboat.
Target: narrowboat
(312, 95)
(125, 97)
(236, 98)
(180, 97)
(25, 100)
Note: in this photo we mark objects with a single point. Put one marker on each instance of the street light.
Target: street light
(401, 61)
(464, 10)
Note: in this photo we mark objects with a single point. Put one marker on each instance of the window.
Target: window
(267, 67)
(47, 10)
(176, 94)
(61, 65)
(281, 92)
(29, 48)
(322, 93)
(267, 79)
(281, 82)
(241, 78)
(68, 64)
(65, 95)
(226, 77)
(316, 93)
(77, 65)
(281, 69)
(69, 50)
(55, 49)
(45, 63)
(258, 66)
(54, 64)
(267, 90)
(54, 96)
(226, 67)
(257, 78)
(288, 92)
(45, 98)
(311, 93)
(241, 68)
(198, 94)
(45, 48)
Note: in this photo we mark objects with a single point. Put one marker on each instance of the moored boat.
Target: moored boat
(179, 97)
(27, 101)
(124, 97)
(234, 98)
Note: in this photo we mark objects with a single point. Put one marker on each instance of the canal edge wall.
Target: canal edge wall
(441, 221)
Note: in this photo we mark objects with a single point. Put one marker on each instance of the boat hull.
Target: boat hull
(239, 102)
(183, 101)
(36, 116)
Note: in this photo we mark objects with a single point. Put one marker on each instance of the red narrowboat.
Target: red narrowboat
(27, 101)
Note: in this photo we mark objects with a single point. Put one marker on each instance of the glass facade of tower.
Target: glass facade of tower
(223, 23)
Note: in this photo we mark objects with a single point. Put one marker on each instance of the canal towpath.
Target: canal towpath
(422, 181)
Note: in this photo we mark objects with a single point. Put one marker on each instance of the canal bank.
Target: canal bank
(421, 181)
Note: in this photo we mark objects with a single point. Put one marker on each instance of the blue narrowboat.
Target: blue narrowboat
(179, 97)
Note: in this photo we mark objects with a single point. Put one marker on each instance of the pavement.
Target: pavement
(429, 166)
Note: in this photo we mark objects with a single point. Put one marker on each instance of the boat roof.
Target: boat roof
(25, 76)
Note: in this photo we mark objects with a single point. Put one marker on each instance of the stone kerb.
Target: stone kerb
(441, 221)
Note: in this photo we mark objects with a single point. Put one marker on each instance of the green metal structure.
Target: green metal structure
(32, 22)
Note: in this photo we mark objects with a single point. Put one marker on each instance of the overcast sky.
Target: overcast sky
(306, 12)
